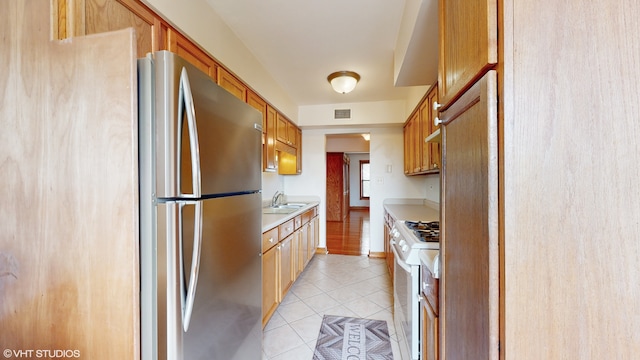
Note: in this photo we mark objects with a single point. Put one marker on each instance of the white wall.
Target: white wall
(196, 19)
(386, 148)
(354, 180)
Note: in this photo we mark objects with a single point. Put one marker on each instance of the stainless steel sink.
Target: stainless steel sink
(287, 208)
(279, 210)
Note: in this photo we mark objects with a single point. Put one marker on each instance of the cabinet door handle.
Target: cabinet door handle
(271, 240)
(437, 121)
(436, 105)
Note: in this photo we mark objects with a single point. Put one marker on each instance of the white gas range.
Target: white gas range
(409, 238)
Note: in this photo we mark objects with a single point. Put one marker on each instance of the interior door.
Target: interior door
(469, 242)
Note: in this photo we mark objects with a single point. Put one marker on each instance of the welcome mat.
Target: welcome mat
(345, 338)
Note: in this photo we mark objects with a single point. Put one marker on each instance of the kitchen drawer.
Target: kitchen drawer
(286, 229)
(307, 216)
(429, 288)
(269, 239)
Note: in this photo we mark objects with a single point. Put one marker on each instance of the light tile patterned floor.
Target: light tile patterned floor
(355, 286)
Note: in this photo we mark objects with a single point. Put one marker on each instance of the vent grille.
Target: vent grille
(342, 114)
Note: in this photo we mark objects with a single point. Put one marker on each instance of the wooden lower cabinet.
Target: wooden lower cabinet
(316, 234)
(287, 249)
(429, 331)
(270, 291)
(287, 262)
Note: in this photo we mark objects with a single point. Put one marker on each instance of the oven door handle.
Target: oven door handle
(399, 260)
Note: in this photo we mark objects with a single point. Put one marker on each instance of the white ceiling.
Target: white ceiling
(301, 42)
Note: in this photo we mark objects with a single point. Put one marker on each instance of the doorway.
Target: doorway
(347, 208)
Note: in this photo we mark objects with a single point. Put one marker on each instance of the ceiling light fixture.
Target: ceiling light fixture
(343, 81)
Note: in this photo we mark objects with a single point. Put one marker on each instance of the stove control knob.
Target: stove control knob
(405, 248)
(402, 243)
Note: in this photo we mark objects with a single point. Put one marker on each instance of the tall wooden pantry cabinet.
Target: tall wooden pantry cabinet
(540, 247)
(69, 275)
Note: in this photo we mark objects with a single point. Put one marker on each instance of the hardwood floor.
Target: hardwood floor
(351, 236)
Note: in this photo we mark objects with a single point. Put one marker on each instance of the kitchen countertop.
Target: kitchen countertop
(269, 221)
(431, 258)
(413, 209)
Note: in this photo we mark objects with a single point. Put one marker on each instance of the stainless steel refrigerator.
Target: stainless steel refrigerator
(200, 216)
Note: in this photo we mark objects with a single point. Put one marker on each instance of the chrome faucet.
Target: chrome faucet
(277, 198)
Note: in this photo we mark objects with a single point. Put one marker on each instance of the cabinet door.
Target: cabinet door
(431, 150)
(287, 263)
(303, 247)
(425, 127)
(298, 150)
(469, 240)
(316, 233)
(435, 152)
(84, 17)
(292, 133)
(429, 332)
(270, 140)
(230, 83)
(406, 133)
(268, 117)
(282, 128)
(270, 294)
(468, 44)
(310, 240)
(182, 46)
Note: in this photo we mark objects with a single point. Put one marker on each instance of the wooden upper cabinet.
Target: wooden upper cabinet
(406, 132)
(185, 48)
(84, 17)
(430, 150)
(286, 131)
(422, 157)
(230, 83)
(259, 104)
(426, 124)
(270, 140)
(268, 130)
(298, 146)
(468, 44)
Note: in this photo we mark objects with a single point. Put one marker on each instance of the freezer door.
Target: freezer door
(225, 145)
(226, 319)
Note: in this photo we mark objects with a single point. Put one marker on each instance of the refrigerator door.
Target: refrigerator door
(226, 319)
(227, 134)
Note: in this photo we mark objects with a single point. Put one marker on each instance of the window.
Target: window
(365, 180)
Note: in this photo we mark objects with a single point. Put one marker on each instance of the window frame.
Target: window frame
(363, 162)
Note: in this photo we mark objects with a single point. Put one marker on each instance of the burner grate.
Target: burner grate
(425, 231)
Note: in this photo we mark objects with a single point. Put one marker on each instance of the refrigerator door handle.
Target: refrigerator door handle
(186, 104)
(186, 101)
(195, 266)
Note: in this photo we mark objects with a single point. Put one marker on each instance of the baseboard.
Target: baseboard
(322, 251)
(377, 255)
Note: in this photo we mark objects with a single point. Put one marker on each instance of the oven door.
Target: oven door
(406, 281)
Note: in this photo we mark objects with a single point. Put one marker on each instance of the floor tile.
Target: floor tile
(308, 328)
(341, 285)
(295, 311)
(280, 340)
(321, 302)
